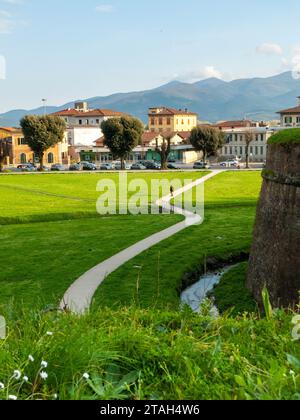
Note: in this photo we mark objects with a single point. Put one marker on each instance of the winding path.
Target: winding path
(79, 296)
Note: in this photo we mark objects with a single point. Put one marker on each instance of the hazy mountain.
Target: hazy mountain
(213, 99)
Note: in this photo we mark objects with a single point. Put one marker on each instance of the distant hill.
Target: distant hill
(213, 99)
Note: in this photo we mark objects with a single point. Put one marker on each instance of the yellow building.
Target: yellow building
(21, 152)
(171, 120)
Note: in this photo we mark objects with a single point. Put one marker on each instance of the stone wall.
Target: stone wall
(275, 255)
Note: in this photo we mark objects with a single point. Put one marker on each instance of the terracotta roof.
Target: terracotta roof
(229, 124)
(164, 111)
(148, 136)
(100, 142)
(11, 129)
(295, 110)
(92, 113)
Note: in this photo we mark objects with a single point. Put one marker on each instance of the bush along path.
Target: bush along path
(78, 297)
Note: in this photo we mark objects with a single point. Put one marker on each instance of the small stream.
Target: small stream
(195, 294)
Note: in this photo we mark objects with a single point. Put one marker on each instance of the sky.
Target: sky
(64, 50)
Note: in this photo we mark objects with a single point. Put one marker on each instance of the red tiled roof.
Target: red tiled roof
(148, 136)
(11, 129)
(295, 110)
(229, 124)
(92, 113)
(100, 142)
(171, 111)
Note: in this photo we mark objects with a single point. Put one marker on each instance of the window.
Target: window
(189, 122)
(152, 121)
(80, 122)
(160, 121)
(87, 122)
(262, 150)
(235, 137)
(256, 137)
(225, 148)
(97, 121)
(241, 138)
(262, 137)
(230, 150)
(288, 120)
(21, 141)
(23, 158)
(298, 120)
(241, 151)
(251, 150)
(168, 121)
(182, 122)
(256, 151)
(177, 122)
(50, 158)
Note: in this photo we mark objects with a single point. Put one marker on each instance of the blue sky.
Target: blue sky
(64, 50)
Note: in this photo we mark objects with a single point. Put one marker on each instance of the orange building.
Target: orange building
(21, 152)
(171, 120)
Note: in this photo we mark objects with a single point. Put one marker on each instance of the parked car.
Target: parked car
(150, 165)
(138, 167)
(75, 167)
(230, 163)
(27, 167)
(201, 165)
(172, 166)
(118, 166)
(106, 167)
(88, 167)
(172, 160)
(57, 168)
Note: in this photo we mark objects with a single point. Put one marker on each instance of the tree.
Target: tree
(207, 140)
(122, 135)
(5, 147)
(42, 132)
(249, 137)
(164, 150)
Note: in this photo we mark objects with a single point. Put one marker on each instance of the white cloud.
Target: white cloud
(105, 8)
(201, 74)
(6, 23)
(269, 49)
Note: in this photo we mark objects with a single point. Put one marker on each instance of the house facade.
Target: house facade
(290, 117)
(162, 119)
(21, 152)
(84, 124)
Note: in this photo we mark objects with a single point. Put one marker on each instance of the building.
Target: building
(21, 152)
(162, 119)
(84, 124)
(290, 117)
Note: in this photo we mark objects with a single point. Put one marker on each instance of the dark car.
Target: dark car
(138, 167)
(150, 165)
(89, 167)
(75, 167)
(172, 166)
(27, 167)
(57, 168)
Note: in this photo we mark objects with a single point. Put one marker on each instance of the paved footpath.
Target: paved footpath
(79, 296)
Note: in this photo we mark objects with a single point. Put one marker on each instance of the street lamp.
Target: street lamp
(44, 104)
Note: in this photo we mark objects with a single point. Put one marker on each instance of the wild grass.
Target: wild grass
(135, 354)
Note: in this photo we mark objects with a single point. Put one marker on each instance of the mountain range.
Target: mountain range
(213, 99)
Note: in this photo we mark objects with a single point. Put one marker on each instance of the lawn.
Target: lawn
(230, 200)
(67, 238)
(34, 197)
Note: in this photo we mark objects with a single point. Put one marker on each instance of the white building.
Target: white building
(84, 124)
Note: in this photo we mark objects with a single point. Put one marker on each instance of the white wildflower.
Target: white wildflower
(292, 373)
(17, 375)
(25, 378)
(55, 396)
(31, 358)
(86, 376)
(12, 397)
(49, 333)
(2, 386)
(44, 375)
(44, 364)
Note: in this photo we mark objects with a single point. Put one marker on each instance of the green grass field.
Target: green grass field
(132, 353)
(230, 201)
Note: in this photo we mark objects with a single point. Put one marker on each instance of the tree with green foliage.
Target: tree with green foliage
(164, 150)
(5, 147)
(207, 140)
(122, 135)
(42, 132)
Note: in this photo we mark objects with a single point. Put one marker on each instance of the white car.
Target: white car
(230, 163)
